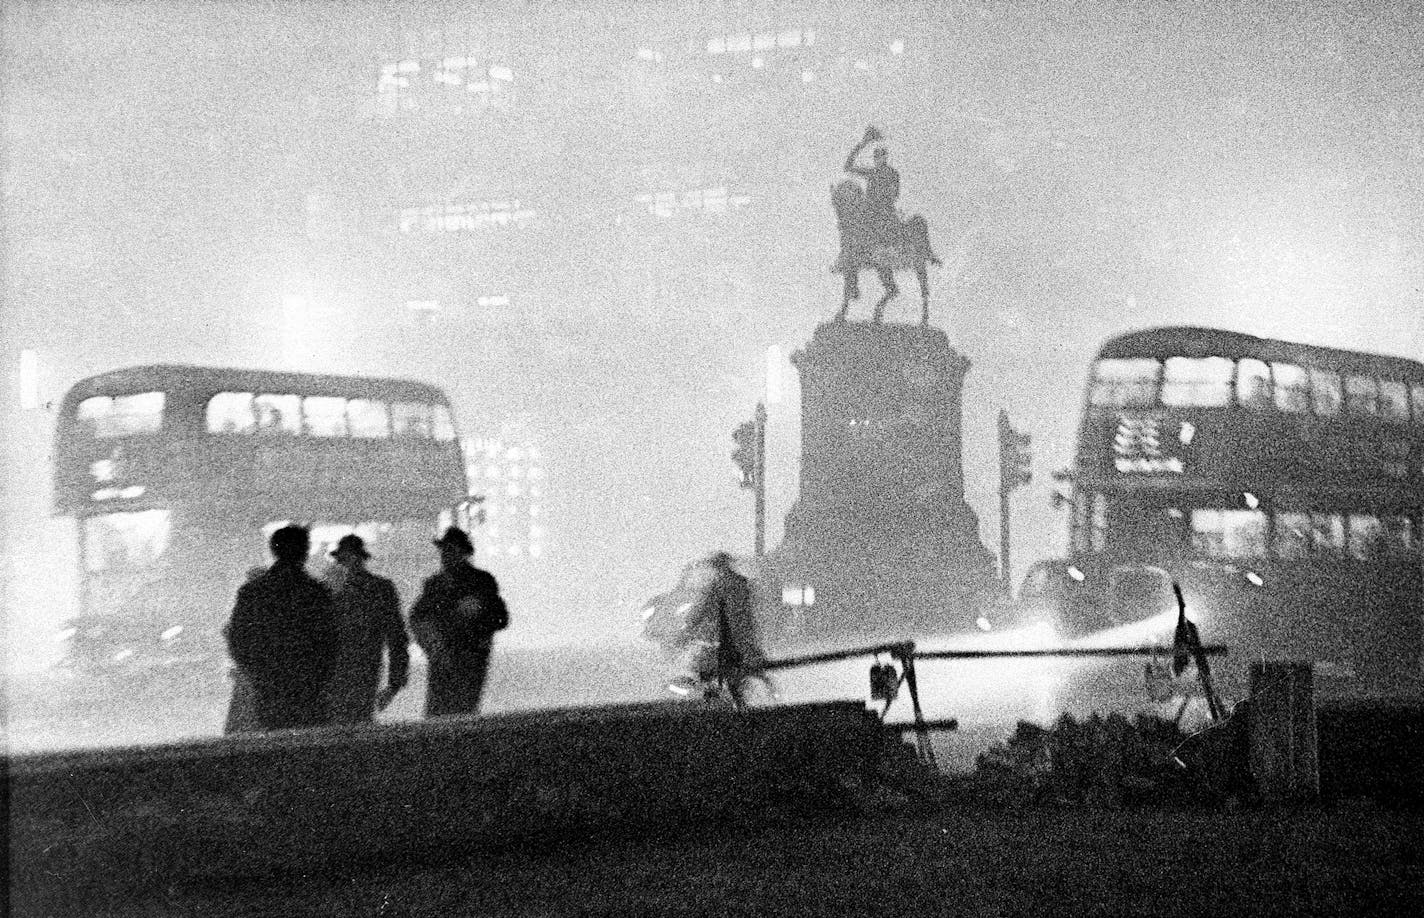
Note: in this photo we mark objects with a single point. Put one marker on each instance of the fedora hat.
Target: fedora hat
(455, 537)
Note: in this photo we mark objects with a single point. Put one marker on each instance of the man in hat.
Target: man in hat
(368, 621)
(725, 648)
(455, 620)
(283, 636)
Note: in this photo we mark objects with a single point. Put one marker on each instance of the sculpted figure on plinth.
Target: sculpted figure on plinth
(873, 233)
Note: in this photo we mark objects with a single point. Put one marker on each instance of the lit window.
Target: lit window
(1229, 533)
(1123, 383)
(737, 44)
(1365, 536)
(278, 414)
(412, 419)
(764, 41)
(1197, 381)
(1292, 387)
(717, 45)
(1325, 392)
(124, 543)
(1327, 533)
(897, 47)
(444, 424)
(807, 76)
(231, 412)
(1293, 535)
(1253, 384)
(1361, 395)
(1393, 400)
(123, 415)
(369, 418)
(324, 416)
(791, 38)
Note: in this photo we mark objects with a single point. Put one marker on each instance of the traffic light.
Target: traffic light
(1015, 456)
(745, 455)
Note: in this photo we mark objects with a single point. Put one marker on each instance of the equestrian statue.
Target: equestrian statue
(874, 235)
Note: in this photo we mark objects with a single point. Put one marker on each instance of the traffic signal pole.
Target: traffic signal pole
(759, 477)
(1014, 472)
(750, 458)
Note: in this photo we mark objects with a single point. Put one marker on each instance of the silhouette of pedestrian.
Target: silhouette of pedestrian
(370, 631)
(283, 636)
(454, 621)
(722, 632)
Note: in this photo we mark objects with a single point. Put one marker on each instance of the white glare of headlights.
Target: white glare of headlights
(648, 611)
(1255, 578)
(1075, 573)
(123, 655)
(983, 623)
(66, 634)
(1252, 501)
(171, 633)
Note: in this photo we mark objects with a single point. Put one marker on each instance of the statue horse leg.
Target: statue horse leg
(850, 290)
(887, 280)
(918, 232)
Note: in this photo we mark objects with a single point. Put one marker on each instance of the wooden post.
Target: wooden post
(1285, 758)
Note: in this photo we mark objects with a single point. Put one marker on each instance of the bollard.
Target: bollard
(1285, 759)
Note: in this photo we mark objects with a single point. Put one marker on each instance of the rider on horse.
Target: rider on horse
(882, 188)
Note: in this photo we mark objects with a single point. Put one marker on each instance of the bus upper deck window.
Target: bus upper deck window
(1197, 381)
(231, 412)
(412, 419)
(122, 415)
(1393, 400)
(278, 414)
(444, 424)
(1123, 383)
(368, 418)
(324, 415)
(1361, 395)
(1325, 392)
(1253, 383)
(1292, 387)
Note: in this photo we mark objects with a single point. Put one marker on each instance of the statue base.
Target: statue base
(880, 531)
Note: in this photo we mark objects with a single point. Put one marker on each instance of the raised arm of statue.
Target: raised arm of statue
(871, 136)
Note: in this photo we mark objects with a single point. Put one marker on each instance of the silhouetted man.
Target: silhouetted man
(283, 636)
(722, 630)
(370, 632)
(454, 621)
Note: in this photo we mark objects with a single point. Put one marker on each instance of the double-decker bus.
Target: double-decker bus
(1280, 484)
(176, 475)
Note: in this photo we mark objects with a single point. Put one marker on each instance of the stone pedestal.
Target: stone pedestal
(880, 529)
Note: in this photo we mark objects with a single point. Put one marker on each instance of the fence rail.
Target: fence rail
(906, 654)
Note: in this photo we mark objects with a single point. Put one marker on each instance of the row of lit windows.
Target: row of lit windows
(462, 218)
(326, 416)
(1283, 534)
(699, 200)
(1212, 382)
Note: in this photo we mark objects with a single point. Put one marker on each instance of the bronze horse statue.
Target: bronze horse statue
(870, 240)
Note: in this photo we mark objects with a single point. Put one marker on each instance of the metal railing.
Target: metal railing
(906, 655)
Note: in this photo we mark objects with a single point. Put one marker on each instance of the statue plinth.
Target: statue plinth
(880, 528)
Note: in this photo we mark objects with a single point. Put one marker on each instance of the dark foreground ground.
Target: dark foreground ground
(1344, 859)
